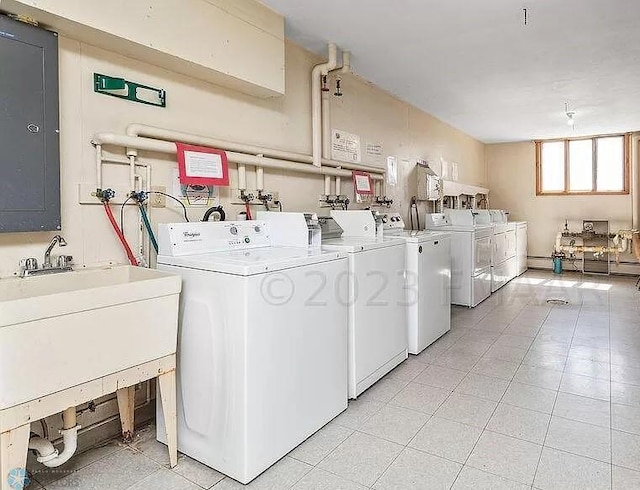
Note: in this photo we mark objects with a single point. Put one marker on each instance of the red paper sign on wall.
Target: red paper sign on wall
(202, 165)
(362, 183)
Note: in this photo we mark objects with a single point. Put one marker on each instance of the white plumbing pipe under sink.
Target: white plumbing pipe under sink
(49, 455)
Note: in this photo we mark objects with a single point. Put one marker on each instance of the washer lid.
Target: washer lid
(252, 261)
(359, 244)
(414, 236)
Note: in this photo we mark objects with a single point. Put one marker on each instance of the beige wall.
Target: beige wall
(201, 108)
(512, 180)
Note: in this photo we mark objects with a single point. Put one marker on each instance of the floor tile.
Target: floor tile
(319, 479)
(522, 330)
(505, 353)
(624, 479)
(531, 397)
(591, 353)
(496, 368)
(460, 360)
(625, 374)
(560, 470)
(447, 439)
(582, 409)
(586, 386)
(361, 458)
(467, 410)
(46, 475)
(585, 367)
(419, 397)
(536, 376)
(473, 479)
(546, 360)
(625, 418)
(506, 456)
(625, 394)
(441, 377)
(117, 471)
(414, 470)
(282, 475)
(395, 424)
(580, 438)
(319, 445)
(482, 386)
(626, 450)
(164, 479)
(520, 423)
(519, 341)
(357, 413)
(384, 390)
(197, 472)
(408, 370)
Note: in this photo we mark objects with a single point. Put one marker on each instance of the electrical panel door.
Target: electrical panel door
(29, 139)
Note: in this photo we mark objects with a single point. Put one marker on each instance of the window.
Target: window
(598, 165)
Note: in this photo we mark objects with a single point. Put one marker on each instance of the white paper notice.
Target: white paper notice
(373, 149)
(363, 183)
(208, 165)
(392, 170)
(345, 147)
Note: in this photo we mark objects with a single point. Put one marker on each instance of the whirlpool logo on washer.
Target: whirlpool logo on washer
(191, 236)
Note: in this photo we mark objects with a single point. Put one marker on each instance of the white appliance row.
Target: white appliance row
(278, 329)
(485, 251)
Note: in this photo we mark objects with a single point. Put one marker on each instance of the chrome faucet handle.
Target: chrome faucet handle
(29, 264)
(64, 261)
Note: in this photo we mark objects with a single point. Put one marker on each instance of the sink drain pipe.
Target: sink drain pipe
(49, 455)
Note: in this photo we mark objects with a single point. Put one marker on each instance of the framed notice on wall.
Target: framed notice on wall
(201, 165)
(362, 183)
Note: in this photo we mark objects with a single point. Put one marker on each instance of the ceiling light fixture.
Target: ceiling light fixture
(571, 121)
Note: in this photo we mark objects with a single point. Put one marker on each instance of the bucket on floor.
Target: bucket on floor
(557, 265)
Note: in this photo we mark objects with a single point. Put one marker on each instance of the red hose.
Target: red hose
(247, 207)
(118, 231)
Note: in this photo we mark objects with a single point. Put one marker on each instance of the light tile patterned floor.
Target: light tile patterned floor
(519, 395)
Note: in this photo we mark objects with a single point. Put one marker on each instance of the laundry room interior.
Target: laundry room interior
(319, 245)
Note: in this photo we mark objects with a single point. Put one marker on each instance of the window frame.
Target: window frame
(594, 149)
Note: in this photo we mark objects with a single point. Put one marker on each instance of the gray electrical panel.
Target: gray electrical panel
(29, 140)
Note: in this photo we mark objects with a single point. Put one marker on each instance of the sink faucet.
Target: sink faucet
(47, 255)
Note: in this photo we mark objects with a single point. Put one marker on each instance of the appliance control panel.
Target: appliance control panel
(392, 221)
(179, 239)
(436, 220)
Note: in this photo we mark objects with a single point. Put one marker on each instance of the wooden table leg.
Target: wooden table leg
(167, 388)
(14, 445)
(126, 407)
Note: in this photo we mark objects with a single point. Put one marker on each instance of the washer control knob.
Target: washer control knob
(233, 230)
(257, 229)
(247, 239)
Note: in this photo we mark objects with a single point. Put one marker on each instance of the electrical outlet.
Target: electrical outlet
(158, 200)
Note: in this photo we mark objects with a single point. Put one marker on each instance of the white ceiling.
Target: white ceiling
(475, 65)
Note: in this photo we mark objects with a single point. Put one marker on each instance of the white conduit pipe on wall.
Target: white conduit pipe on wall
(316, 102)
(259, 179)
(159, 146)
(141, 130)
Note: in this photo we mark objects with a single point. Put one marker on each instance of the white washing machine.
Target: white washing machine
(471, 245)
(428, 287)
(374, 291)
(262, 350)
(504, 262)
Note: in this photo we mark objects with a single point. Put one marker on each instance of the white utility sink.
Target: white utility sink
(61, 330)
